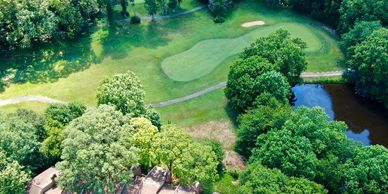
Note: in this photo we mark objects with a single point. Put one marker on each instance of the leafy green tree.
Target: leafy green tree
(360, 32)
(260, 120)
(12, 177)
(352, 11)
(124, 7)
(219, 9)
(285, 52)
(126, 93)
(151, 7)
(168, 145)
(19, 141)
(369, 67)
(293, 155)
(326, 11)
(367, 172)
(163, 5)
(241, 88)
(197, 163)
(259, 179)
(35, 22)
(218, 150)
(97, 154)
(188, 161)
(143, 138)
(57, 117)
(275, 84)
(64, 113)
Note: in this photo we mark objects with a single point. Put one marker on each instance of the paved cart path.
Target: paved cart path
(164, 103)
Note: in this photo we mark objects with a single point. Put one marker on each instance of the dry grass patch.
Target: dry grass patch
(219, 130)
(233, 160)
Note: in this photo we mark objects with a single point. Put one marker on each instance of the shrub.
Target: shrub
(135, 20)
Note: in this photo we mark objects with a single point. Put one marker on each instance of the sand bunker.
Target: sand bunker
(254, 23)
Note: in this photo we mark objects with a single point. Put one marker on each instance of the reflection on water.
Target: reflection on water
(367, 121)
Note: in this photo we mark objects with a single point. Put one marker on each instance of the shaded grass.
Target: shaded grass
(226, 185)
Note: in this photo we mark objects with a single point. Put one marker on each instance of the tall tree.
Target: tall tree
(369, 67)
(360, 32)
(97, 154)
(187, 160)
(12, 177)
(285, 52)
(58, 116)
(367, 172)
(20, 141)
(352, 11)
(126, 93)
(260, 120)
(241, 88)
(143, 137)
(259, 179)
(151, 7)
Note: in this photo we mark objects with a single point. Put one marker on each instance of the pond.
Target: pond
(367, 120)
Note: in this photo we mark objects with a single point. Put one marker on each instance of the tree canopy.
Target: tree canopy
(259, 179)
(126, 93)
(24, 23)
(58, 116)
(286, 53)
(97, 154)
(369, 66)
(12, 177)
(352, 11)
(251, 76)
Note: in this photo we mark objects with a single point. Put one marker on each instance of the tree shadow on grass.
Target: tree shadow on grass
(46, 63)
(123, 37)
(232, 114)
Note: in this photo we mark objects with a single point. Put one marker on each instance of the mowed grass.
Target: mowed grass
(142, 48)
(206, 55)
(38, 107)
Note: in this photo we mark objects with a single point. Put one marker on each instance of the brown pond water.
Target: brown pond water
(367, 120)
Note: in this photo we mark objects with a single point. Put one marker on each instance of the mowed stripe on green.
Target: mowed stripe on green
(206, 55)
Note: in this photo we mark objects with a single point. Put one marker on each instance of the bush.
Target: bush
(219, 9)
(217, 149)
(135, 20)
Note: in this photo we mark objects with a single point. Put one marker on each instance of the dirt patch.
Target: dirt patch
(253, 23)
(220, 130)
(233, 160)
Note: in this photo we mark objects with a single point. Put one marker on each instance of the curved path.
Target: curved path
(167, 16)
(27, 99)
(164, 103)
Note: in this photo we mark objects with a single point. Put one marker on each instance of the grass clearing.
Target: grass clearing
(142, 48)
(222, 131)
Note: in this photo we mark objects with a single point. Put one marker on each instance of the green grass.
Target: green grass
(212, 106)
(142, 48)
(225, 185)
(206, 55)
(38, 107)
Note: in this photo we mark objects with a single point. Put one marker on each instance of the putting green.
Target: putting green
(206, 55)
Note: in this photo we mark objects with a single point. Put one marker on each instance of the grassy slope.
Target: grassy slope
(142, 49)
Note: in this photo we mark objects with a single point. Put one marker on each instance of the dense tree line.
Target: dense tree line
(27, 22)
(299, 142)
